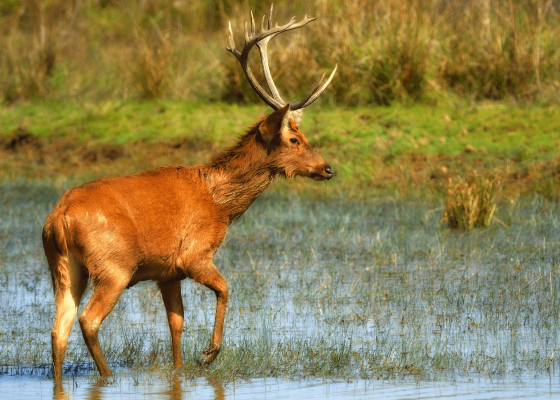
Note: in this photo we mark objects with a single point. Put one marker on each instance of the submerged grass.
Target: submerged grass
(325, 288)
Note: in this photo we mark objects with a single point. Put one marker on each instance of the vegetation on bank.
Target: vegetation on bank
(397, 150)
(387, 50)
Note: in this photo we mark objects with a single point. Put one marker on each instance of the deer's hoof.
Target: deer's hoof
(208, 355)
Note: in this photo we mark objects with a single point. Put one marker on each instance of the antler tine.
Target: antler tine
(250, 40)
(261, 40)
(246, 34)
(231, 47)
(263, 50)
(314, 93)
(300, 103)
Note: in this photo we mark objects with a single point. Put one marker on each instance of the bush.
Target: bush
(470, 202)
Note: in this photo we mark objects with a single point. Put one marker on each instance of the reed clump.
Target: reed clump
(470, 202)
(150, 64)
(30, 38)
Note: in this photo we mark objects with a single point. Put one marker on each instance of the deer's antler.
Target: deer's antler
(261, 40)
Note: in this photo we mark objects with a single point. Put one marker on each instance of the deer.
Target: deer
(165, 224)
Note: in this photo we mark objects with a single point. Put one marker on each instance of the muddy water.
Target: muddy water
(126, 387)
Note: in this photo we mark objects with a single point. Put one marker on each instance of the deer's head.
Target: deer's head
(289, 152)
(287, 147)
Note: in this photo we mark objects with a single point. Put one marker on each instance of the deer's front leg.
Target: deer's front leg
(171, 295)
(210, 277)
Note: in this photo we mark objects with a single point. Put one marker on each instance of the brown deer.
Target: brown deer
(166, 224)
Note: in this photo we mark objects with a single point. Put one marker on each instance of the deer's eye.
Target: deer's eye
(293, 140)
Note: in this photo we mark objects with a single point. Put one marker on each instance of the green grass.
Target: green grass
(328, 288)
(121, 122)
(497, 127)
(408, 149)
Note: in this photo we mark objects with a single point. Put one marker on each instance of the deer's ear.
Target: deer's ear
(275, 123)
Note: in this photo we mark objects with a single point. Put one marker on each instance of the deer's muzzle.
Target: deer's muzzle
(323, 173)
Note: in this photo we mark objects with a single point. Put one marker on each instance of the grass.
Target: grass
(470, 202)
(330, 288)
(409, 151)
(413, 51)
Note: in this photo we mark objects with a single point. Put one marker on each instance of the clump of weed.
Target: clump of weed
(27, 76)
(497, 50)
(30, 42)
(470, 202)
(394, 63)
(149, 62)
(164, 61)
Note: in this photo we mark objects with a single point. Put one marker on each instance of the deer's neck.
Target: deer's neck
(237, 176)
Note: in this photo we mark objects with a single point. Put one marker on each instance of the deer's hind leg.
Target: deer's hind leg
(105, 295)
(69, 289)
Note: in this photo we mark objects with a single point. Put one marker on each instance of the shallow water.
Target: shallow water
(177, 387)
(323, 289)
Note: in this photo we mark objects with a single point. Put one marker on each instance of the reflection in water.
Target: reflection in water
(178, 386)
(58, 392)
(218, 388)
(173, 389)
(93, 392)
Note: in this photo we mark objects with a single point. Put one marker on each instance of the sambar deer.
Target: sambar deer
(166, 224)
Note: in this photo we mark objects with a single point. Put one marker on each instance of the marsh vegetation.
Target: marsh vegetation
(389, 51)
(327, 288)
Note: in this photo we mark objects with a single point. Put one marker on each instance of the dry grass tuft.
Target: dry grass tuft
(30, 38)
(470, 202)
(149, 65)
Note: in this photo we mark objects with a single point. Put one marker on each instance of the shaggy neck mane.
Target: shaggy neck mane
(238, 175)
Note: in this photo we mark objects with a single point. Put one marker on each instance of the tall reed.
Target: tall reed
(387, 50)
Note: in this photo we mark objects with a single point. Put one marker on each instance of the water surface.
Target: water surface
(323, 292)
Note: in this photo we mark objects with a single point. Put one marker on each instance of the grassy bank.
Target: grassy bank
(386, 50)
(402, 151)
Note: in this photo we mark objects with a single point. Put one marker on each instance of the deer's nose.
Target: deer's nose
(329, 172)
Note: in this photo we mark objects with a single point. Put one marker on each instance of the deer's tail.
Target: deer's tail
(56, 250)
